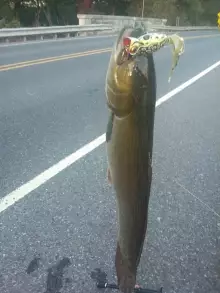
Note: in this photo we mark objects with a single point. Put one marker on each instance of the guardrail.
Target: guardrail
(40, 32)
(184, 28)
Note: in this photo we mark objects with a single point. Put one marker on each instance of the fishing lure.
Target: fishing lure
(152, 42)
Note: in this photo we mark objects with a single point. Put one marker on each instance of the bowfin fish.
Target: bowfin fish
(131, 96)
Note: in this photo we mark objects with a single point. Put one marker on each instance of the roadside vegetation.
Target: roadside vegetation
(16, 13)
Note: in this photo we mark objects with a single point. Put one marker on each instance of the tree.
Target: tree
(61, 12)
(211, 9)
(114, 7)
(7, 14)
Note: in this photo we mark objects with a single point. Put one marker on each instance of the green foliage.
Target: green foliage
(62, 12)
(115, 7)
(13, 23)
(6, 12)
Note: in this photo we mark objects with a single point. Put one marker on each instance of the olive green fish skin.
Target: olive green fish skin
(131, 97)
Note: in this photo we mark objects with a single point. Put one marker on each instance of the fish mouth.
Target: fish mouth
(126, 77)
(121, 52)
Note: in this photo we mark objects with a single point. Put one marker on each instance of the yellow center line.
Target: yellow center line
(52, 59)
(75, 55)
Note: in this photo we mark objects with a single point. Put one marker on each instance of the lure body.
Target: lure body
(152, 42)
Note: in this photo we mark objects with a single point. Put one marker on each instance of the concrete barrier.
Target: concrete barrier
(118, 22)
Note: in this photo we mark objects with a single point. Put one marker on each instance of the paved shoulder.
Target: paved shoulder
(55, 239)
(55, 48)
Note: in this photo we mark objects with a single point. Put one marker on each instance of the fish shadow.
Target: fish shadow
(55, 280)
(99, 276)
(33, 265)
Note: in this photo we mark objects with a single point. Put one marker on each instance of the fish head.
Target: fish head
(126, 77)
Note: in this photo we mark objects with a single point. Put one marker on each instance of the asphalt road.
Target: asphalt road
(49, 111)
(42, 49)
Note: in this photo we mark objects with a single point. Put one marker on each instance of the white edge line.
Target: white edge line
(43, 177)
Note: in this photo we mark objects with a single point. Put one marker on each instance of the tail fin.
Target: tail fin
(126, 278)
